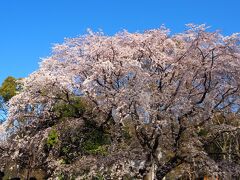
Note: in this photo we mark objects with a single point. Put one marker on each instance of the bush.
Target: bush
(52, 139)
(74, 108)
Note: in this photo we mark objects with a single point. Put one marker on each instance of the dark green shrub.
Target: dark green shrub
(74, 108)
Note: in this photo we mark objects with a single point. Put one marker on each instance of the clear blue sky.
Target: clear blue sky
(28, 28)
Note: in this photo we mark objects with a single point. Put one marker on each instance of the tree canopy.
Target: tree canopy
(169, 89)
(8, 88)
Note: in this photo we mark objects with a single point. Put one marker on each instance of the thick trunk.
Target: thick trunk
(163, 170)
(151, 174)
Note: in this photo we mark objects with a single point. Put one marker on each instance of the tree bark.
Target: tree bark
(151, 174)
(163, 170)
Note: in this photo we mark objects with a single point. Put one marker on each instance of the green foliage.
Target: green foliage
(126, 133)
(95, 149)
(74, 108)
(203, 132)
(9, 88)
(60, 177)
(63, 161)
(98, 177)
(52, 139)
(66, 149)
(96, 142)
(65, 175)
(86, 139)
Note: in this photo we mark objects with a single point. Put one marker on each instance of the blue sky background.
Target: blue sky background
(28, 28)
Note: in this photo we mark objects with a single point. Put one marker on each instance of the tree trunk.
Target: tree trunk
(151, 174)
(163, 170)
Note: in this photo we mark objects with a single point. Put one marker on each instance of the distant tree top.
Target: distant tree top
(9, 88)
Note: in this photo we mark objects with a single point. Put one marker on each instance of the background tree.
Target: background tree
(8, 89)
